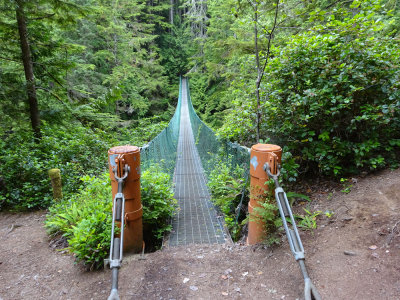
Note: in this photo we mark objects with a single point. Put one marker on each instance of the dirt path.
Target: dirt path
(365, 218)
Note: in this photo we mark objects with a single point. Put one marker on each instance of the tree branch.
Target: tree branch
(43, 17)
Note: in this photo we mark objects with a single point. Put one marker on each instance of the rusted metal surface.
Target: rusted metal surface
(259, 155)
(133, 231)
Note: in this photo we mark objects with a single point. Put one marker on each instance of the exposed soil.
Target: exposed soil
(355, 254)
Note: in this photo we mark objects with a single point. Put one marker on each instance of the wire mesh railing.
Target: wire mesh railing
(162, 150)
(212, 149)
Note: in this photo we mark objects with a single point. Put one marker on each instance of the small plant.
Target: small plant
(269, 215)
(84, 220)
(226, 187)
(293, 196)
(329, 214)
(346, 185)
(309, 220)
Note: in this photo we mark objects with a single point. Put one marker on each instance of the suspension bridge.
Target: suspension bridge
(188, 150)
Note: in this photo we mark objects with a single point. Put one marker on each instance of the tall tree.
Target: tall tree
(34, 48)
(28, 68)
(259, 64)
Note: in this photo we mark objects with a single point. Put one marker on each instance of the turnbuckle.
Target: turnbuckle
(117, 243)
(296, 246)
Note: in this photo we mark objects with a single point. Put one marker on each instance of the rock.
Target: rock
(350, 253)
(185, 280)
(375, 255)
(194, 288)
(224, 294)
(227, 271)
(373, 247)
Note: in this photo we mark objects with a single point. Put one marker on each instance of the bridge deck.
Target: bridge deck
(196, 221)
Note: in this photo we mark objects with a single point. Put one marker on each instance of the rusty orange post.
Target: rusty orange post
(133, 231)
(259, 155)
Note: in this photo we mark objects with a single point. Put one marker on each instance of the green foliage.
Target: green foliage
(226, 188)
(74, 150)
(331, 94)
(174, 48)
(293, 196)
(309, 220)
(158, 201)
(346, 185)
(120, 61)
(84, 219)
(268, 214)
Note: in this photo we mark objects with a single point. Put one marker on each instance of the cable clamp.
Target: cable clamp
(115, 263)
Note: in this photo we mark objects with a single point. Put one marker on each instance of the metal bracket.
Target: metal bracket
(115, 263)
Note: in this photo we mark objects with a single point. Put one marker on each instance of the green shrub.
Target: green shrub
(330, 94)
(226, 187)
(85, 218)
(158, 201)
(333, 95)
(75, 150)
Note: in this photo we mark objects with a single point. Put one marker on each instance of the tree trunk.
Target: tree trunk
(258, 81)
(171, 12)
(28, 68)
(261, 69)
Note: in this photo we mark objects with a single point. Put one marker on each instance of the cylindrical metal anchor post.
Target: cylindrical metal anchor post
(259, 155)
(133, 231)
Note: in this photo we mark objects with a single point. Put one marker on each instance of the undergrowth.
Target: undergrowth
(84, 219)
(226, 186)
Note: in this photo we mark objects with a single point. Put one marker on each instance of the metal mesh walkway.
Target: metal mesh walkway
(196, 221)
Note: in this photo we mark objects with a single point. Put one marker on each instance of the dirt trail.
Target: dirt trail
(365, 218)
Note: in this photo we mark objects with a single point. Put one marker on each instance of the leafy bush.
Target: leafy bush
(226, 190)
(333, 95)
(158, 201)
(75, 150)
(85, 218)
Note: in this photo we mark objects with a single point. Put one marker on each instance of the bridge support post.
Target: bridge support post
(133, 229)
(259, 155)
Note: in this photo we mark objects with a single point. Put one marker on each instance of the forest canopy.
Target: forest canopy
(320, 78)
